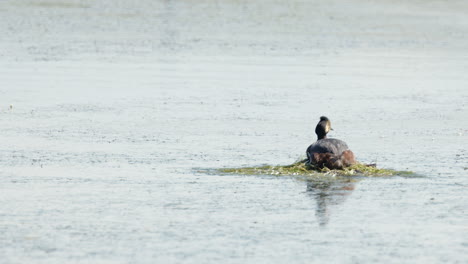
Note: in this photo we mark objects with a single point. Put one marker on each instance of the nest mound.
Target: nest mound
(303, 168)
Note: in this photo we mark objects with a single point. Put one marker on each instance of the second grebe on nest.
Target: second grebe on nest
(329, 152)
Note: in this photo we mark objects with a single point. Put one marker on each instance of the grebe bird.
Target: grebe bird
(329, 152)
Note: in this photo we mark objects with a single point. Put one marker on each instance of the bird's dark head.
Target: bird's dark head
(324, 118)
(323, 127)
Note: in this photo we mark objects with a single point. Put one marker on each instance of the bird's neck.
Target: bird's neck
(321, 137)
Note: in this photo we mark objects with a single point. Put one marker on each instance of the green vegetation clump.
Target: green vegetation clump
(302, 168)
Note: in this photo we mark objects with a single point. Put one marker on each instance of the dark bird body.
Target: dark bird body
(329, 152)
(328, 145)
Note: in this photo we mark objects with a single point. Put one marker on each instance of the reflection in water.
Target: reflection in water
(169, 33)
(329, 193)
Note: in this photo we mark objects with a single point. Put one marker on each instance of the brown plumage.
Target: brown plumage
(331, 153)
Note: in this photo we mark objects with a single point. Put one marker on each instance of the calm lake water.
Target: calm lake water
(110, 110)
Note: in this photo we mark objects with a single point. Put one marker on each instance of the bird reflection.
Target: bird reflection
(329, 193)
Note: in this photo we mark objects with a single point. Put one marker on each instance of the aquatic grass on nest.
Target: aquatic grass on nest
(302, 168)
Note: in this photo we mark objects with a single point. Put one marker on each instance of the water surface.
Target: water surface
(108, 109)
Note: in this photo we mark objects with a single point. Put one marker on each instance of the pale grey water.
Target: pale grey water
(115, 105)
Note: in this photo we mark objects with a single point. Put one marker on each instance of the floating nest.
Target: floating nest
(304, 169)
